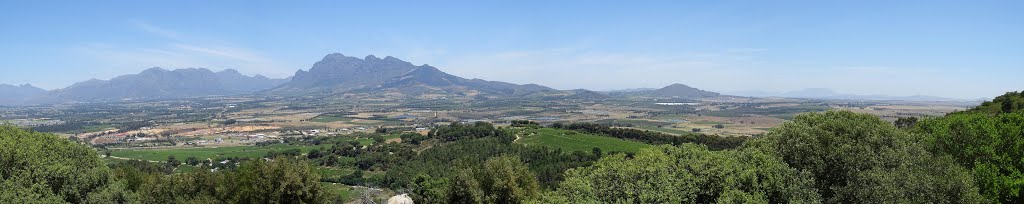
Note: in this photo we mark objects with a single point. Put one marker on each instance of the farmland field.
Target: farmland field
(574, 141)
(666, 130)
(208, 152)
(329, 118)
(343, 192)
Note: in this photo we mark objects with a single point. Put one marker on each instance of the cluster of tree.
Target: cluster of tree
(284, 153)
(131, 126)
(686, 174)
(376, 156)
(413, 138)
(42, 168)
(459, 131)
(990, 145)
(524, 123)
(860, 158)
(70, 126)
(502, 179)
(429, 175)
(905, 122)
(658, 138)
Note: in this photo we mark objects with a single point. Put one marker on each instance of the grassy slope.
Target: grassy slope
(574, 141)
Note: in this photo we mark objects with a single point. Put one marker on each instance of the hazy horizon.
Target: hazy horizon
(965, 51)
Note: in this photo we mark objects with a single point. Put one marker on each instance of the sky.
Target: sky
(957, 49)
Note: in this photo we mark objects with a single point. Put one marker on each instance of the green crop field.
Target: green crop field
(329, 118)
(185, 169)
(95, 128)
(574, 141)
(207, 152)
(667, 130)
(344, 192)
(367, 141)
(211, 152)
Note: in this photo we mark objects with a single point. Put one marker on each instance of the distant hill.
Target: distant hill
(823, 93)
(1009, 102)
(337, 73)
(162, 83)
(583, 94)
(17, 95)
(629, 90)
(811, 93)
(678, 91)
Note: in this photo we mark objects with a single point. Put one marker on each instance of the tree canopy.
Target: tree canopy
(859, 158)
(992, 147)
(687, 174)
(43, 168)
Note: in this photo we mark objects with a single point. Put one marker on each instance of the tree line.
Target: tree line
(657, 138)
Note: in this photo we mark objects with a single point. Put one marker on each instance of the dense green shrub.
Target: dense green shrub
(859, 158)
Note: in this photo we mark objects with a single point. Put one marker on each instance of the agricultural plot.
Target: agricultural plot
(213, 152)
(575, 141)
(667, 130)
(341, 191)
(330, 118)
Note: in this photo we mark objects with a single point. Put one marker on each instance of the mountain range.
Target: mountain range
(337, 73)
(16, 95)
(161, 83)
(334, 74)
(670, 91)
(156, 83)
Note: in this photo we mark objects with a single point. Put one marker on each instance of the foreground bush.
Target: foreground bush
(42, 168)
(859, 158)
(992, 147)
(686, 174)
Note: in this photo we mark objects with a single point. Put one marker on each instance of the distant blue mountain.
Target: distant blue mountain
(337, 73)
(17, 95)
(161, 83)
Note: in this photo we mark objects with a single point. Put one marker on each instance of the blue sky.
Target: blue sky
(962, 49)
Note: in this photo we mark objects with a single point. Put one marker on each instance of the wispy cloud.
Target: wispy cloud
(178, 50)
(156, 30)
(224, 51)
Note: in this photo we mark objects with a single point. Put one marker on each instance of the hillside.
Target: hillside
(679, 91)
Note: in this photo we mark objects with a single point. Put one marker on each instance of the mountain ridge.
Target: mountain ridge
(678, 91)
(337, 73)
(17, 95)
(157, 82)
